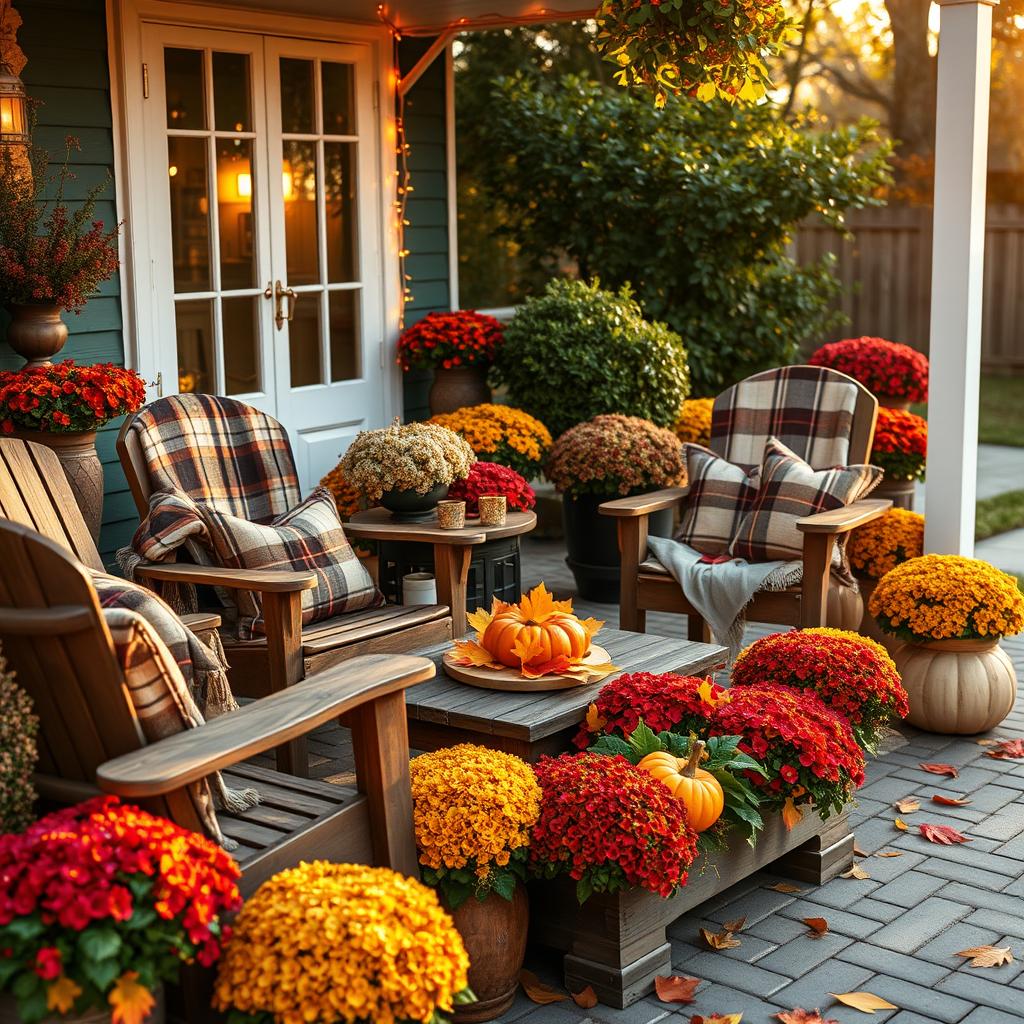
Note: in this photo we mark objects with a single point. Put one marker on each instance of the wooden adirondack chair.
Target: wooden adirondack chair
(288, 652)
(646, 585)
(55, 638)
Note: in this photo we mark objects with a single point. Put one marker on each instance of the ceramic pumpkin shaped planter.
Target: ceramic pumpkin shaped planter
(700, 792)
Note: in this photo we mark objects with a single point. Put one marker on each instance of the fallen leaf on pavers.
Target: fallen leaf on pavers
(785, 887)
(717, 1018)
(855, 872)
(802, 1016)
(858, 852)
(940, 769)
(890, 853)
(987, 956)
(719, 940)
(943, 834)
(676, 988)
(901, 825)
(866, 1002)
(537, 991)
(735, 926)
(587, 999)
(1007, 749)
(949, 801)
(907, 805)
(818, 926)
(988, 742)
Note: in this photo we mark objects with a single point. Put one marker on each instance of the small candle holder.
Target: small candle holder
(493, 509)
(451, 515)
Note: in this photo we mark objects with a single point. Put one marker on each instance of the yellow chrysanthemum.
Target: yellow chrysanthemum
(693, 424)
(879, 546)
(340, 943)
(499, 433)
(945, 597)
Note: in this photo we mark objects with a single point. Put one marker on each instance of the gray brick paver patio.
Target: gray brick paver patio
(896, 934)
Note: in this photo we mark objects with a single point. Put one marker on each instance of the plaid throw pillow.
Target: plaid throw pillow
(719, 496)
(789, 490)
(310, 536)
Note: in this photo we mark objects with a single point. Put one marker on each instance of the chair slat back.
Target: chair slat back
(54, 637)
(824, 416)
(35, 492)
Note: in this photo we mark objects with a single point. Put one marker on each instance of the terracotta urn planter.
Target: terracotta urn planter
(77, 454)
(869, 627)
(457, 387)
(959, 687)
(494, 932)
(845, 607)
(889, 402)
(36, 332)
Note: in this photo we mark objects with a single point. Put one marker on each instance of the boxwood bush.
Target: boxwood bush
(578, 351)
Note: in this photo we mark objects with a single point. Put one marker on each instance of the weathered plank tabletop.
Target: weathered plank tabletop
(443, 711)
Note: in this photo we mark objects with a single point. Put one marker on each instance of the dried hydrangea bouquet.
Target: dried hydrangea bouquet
(409, 468)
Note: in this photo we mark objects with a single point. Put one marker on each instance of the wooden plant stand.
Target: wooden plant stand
(618, 944)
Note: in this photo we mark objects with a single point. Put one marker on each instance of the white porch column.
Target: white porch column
(958, 250)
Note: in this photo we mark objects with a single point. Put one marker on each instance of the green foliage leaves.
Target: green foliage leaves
(694, 205)
(578, 351)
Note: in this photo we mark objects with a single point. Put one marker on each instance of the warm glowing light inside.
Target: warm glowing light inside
(172, 170)
(244, 185)
(287, 181)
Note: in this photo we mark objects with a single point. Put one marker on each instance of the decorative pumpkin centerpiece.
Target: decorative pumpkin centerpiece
(534, 638)
(699, 790)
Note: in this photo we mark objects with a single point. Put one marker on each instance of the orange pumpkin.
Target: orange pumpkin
(700, 792)
(557, 633)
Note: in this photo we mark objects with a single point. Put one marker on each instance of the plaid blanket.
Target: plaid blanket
(220, 452)
(203, 668)
(164, 707)
(808, 408)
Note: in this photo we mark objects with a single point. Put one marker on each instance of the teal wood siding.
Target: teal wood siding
(65, 42)
(426, 236)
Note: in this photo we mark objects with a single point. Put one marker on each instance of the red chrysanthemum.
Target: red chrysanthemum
(885, 367)
(850, 673)
(809, 749)
(609, 825)
(448, 340)
(900, 447)
(490, 478)
(666, 702)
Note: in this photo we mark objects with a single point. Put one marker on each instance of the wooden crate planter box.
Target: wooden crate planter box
(617, 943)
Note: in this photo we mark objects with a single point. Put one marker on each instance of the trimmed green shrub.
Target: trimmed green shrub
(578, 351)
(18, 728)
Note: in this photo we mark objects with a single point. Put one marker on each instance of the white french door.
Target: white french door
(266, 229)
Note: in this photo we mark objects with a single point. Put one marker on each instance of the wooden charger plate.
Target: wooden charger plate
(510, 679)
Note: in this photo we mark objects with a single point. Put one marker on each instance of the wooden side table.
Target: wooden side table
(452, 548)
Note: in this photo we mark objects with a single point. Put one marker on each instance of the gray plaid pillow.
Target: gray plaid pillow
(719, 496)
(789, 490)
(310, 536)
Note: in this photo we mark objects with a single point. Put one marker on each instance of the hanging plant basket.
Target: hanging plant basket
(689, 46)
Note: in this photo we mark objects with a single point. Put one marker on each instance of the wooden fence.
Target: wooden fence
(885, 270)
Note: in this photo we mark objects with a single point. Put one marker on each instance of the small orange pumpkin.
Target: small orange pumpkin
(538, 627)
(700, 792)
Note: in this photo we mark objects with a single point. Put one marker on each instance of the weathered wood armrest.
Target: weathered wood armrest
(643, 504)
(265, 581)
(426, 533)
(842, 520)
(193, 754)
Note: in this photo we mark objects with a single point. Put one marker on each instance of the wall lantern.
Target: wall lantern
(13, 109)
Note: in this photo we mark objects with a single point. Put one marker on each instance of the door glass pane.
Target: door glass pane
(336, 84)
(302, 248)
(298, 106)
(241, 330)
(190, 213)
(231, 111)
(339, 188)
(193, 321)
(186, 94)
(304, 341)
(234, 213)
(343, 310)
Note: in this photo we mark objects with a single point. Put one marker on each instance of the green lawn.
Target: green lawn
(1000, 514)
(1001, 420)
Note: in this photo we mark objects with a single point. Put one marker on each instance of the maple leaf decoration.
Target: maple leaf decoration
(706, 693)
(539, 605)
(791, 814)
(676, 988)
(1007, 749)
(131, 1002)
(587, 999)
(866, 1002)
(940, 769)
(595, 720)
(61, 995)
(943, 834)
(987, 956)
(537, 992)
(719, 940)
(949, 801)
(802, 1016)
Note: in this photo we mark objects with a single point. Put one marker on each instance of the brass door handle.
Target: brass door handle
(278, 293)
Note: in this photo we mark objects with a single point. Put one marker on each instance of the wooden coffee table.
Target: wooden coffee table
(442, 711)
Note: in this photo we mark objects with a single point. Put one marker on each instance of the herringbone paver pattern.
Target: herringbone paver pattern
(895, 934)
